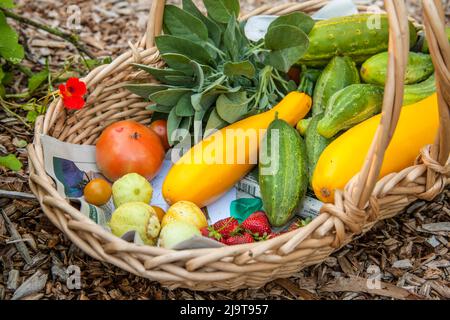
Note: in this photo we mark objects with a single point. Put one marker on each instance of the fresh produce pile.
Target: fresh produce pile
(315, 91)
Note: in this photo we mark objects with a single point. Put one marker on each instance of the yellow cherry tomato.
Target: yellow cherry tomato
(97, 192)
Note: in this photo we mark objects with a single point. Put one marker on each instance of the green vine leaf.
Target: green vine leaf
(286, 50)
(7, 4)
(11, 162)
(10, 49)
(37, 79)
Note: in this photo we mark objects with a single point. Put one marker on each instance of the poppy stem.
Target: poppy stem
(70, 37)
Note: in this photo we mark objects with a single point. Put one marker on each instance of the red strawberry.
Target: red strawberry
(226, 227)
(239, 239)
(257, 223)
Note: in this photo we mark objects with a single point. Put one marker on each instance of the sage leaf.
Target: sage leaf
(178, 62)
(215, 122)
(214, 31)
(199, 74)
(232, 107)
(244, 68)
(174, 44)
(178, 22)
(144, 90)
(184, 106)
(286, 49)
(296, 19)
(11, 162)
(184, 81)
(198, 121)
(155, 72)
(182, 132)
(168, 97)
(173, 121)
(159, 108)
(167, 75)
(230, 39)
(202, 101)
(222, 10)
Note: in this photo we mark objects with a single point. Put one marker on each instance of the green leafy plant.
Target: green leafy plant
(11, 162)
(214, 74)
(10, 49)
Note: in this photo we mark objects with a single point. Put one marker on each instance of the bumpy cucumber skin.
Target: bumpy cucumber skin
(350, 106)
(282, 190)
(339, 73)
(374, 70)
(302, 126)
(315, 144)
(419, 91)
(357, 36)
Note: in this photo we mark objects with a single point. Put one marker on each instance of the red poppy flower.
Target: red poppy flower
(72, 93)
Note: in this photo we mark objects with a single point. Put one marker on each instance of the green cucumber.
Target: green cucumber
(350, 106)
(358, 36)
(374, 70)
(283, 177)
(315, 144)
(339, 73)
(419, 91)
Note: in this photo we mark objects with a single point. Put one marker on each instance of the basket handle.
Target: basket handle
(434, 23)
(393, 97)
(154, 24)
(392, 102)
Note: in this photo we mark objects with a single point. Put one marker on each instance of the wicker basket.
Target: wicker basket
(356, 209)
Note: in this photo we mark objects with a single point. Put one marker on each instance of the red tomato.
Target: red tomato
(160, 128)
(126, 147)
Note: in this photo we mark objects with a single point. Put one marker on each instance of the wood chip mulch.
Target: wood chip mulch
(402, 258)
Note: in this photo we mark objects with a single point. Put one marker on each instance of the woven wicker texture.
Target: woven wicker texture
(356, 209)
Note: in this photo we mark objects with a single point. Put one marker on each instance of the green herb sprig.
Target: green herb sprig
(214, 74)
